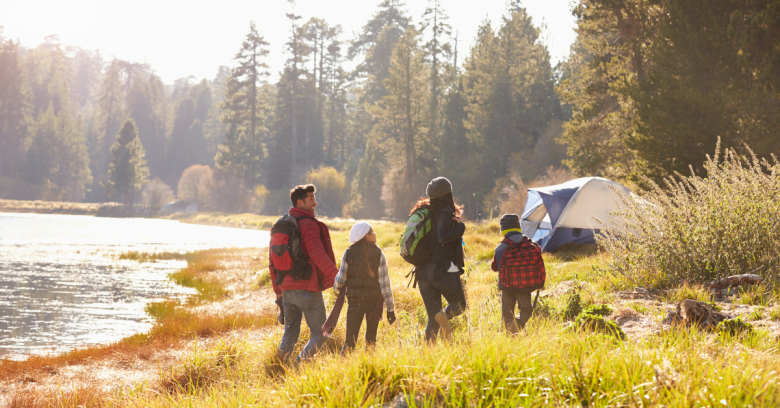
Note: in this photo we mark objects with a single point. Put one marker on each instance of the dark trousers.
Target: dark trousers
(432, 291)
(355, 313)
(510, 297)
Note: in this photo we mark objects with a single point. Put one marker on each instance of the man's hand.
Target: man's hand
(390, 317)
(457, 219)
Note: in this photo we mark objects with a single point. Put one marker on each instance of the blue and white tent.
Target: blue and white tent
(564, 213)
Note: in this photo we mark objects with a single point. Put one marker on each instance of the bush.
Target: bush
(330, 189)
(260, 195)
(573, 306)
(599, 310)
(735, 326)
(220, 190)
(155, 194)
(189, 182)
(598, 324)
(699, 229)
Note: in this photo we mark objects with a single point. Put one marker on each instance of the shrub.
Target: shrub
(735, 326)
(573, 306)
(599, 310)
(701, 228)
(261, 195)
(330, 189)
(220, 190)
(189, 182)
(598, 324)
(155, 194)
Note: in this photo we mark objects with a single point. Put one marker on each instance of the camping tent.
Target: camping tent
(564, 213)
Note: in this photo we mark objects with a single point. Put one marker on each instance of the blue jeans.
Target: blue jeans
(298, 304)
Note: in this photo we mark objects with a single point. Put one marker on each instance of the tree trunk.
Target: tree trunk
(409, 131)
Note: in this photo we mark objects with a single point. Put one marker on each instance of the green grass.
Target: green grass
(155, 256)
(551, 363)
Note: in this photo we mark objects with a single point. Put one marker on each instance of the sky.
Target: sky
(182, 38)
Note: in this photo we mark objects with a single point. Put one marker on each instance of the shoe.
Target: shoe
(444, 324)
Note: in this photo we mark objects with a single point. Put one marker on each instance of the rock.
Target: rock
(736, 280)
(691, 312)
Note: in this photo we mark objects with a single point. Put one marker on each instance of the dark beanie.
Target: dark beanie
(510, 221)
(438, 187)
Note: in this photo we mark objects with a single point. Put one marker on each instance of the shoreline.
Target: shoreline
(226, 281)
(239, 366)
(51, 207)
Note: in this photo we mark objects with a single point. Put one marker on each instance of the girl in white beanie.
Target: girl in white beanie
(364, 274)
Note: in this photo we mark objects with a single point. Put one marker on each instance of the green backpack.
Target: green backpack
(416, 242)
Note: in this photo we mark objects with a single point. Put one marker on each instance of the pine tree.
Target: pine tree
(608, 56)
(376, 43)
(213, 127)
(179, 153)
(15, 109)
(336, 102)
(111, 113)
(127, 172)
(142, 108)
(508, 83)
(297, 49)
(437, 51)
(245, 111)
(402, 112)
(57, 160)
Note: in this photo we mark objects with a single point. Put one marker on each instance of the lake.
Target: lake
(62, 286)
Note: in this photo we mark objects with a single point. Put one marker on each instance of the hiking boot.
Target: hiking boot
(444, 324)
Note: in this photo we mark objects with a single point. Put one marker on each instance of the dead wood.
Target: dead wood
(690, 312)
(736, 280)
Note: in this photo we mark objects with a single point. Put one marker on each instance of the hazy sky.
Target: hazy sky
(181, 38)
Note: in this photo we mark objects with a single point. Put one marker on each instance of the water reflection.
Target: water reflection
(61, 285)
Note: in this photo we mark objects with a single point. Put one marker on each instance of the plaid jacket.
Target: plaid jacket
(521, 265)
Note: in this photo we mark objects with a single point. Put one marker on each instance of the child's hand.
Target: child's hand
(457, 219)
(390, 317)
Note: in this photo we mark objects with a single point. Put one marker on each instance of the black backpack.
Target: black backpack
(287, 255)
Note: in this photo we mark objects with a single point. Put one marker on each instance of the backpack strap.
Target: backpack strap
(413, 274)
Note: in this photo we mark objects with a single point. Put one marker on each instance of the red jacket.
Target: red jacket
(317, 247)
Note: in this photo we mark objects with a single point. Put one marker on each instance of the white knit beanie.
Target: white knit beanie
(359, 230)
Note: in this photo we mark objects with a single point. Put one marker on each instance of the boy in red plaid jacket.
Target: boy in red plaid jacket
(521, 271)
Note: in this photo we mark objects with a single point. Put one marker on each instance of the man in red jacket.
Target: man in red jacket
(303, 298)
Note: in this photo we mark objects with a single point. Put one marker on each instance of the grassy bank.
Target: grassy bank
(176, 325)
(553, 363)
(49, 207)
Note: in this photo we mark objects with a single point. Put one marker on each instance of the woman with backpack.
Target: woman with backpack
(440, 275)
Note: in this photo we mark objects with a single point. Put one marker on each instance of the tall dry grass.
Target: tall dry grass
(701, 227)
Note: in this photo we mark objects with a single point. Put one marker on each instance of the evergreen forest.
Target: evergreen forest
(648, 89)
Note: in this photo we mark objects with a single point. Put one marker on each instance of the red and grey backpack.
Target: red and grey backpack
(522, 266)
(287, 257)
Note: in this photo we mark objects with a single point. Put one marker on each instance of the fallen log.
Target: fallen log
(736, 280)
(690, 312)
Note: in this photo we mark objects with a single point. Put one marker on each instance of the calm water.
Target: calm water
(61, 285)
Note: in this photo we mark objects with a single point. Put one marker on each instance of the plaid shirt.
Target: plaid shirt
(384, 280)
